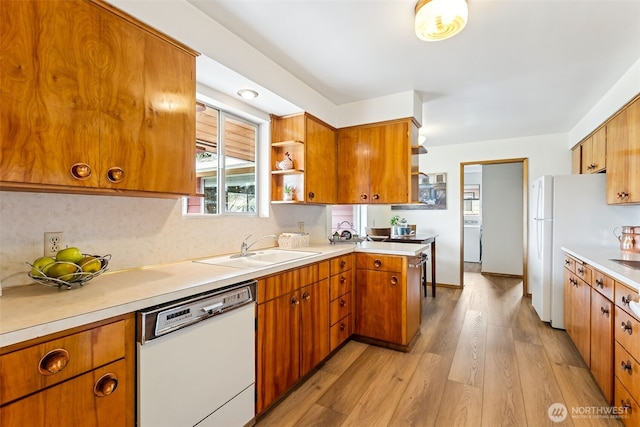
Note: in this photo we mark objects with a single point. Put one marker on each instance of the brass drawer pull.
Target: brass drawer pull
(567, 262)
(580, 270)
(81, 171)
(342, 326)
(343, 264)
(626, 405)
(312, 195)
(106, 384)
(342, 303)
(363, 197)
(115, 175)
(53, 362)
(306, 296)
(394, 280)
(626, 366)
(626, 327)
(343, 280)
(626, 300)
(605, 311)
(377, 263)
(600, 283)
(295, 301)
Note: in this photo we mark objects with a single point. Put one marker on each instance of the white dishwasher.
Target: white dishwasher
(196, 360)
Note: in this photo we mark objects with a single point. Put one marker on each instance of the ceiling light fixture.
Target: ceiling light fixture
(247, 93)
(440, 19)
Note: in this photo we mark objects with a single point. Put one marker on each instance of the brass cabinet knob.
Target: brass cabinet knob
(295, 301)
(377, 263)
(626, 300)
(394, 280)
(343, 280)
(54, 361)
(306, 296)
(626, 366)
(115, 174)
(81, 171)
(106, 384)
(342, 303)
(626, 405)
(312, 195)
(376, 196)
(600, 283)
(342, 326)
(605, 311)
(626, 327)
(343, 264)
(363, 197)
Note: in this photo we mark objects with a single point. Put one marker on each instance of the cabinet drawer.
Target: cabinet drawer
(627, 371)
(341, 284)
(88, 400)
(379, 262)
(584, 272)
(603, 284)
(623, 295)
(570, 263)
(630, 411)
(25, 371)
(342, 263)
(627, 332)
(340, 307)
(340, 332)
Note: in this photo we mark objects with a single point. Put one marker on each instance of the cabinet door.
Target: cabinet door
(278, 345)
(50, 89)
(623, 156)
(577, 313)
(89, 400)
(379, 305)
(148, 104)
(576, 160)
(321, 167)
(314, 325)
(599, 150)
(353, 165)
(602, 343)
(390, 163)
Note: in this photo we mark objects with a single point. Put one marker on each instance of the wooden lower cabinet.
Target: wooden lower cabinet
(602, 343)
(292, 329)
(577, 313)
(81, 377)
(342, 300)
(388, 301)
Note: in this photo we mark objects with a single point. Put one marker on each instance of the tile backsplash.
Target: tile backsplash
(135, 231)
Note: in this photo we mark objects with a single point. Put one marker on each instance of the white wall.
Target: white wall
(502, 213)
(547, 154)
(623, 91)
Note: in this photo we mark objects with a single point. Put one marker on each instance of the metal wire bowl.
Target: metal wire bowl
(78, 278)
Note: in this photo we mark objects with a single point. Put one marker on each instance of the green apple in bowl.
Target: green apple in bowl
(90, 264)
(63, 271)
(41, 266)
(69, 255)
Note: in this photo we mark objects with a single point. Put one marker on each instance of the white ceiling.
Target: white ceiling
(519, 68)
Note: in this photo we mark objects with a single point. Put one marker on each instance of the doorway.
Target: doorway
(493, 204)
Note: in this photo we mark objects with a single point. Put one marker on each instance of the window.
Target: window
(225, 158)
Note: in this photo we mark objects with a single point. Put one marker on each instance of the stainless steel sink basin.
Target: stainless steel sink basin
(258, 259)
(630, 263)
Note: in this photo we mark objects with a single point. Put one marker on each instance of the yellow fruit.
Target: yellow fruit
(90, 264)
(69, 255)
(41, 266)
(63, 271)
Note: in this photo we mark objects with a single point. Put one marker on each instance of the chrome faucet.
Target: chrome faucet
(244, 247)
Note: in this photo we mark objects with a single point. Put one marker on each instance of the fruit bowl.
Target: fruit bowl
(75, 275)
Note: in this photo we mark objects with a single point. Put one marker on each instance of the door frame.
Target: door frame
(525, 214)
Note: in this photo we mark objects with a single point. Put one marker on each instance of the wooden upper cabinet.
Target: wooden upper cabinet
(375, 162)
(576, 159)
(93, 102)
(623, 156)
(594, 152)
(311, 145)
(148, 120)
(50, 89)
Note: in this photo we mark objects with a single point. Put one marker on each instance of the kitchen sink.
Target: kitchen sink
(258, 259)
(630, 263)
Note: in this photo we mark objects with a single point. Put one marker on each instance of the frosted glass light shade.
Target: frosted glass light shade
(440, 19)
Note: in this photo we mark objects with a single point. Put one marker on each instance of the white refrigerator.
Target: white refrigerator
(567, 210)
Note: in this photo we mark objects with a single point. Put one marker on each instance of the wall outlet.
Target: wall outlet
(53, 242)
(301, 226)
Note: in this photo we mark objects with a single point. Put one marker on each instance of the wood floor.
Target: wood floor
(483, 359)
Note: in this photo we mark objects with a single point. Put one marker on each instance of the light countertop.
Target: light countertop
(600, 258)
(32, 311)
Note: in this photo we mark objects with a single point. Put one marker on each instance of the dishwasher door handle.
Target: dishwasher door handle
(212, 308)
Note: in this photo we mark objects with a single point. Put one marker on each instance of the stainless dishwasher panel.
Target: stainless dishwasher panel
(201, 372)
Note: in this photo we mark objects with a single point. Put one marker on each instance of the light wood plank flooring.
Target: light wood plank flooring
(483, 359)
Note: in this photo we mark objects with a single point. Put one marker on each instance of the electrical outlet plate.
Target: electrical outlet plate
(53, 242)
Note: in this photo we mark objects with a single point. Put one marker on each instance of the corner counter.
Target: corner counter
(32, 311)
